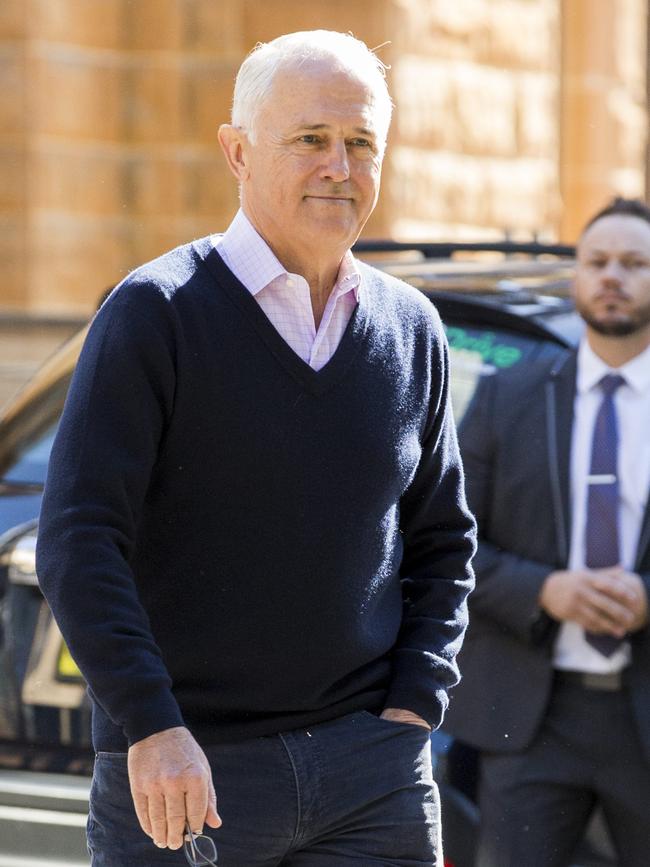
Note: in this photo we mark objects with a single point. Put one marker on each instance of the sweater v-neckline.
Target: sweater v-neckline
(316, 381)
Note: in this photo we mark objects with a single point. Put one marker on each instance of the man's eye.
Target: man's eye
(309, 138)
(360, 143)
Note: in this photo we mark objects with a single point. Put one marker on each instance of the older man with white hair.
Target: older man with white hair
(254, 535)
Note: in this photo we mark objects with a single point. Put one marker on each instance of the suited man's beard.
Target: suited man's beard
(620, 325)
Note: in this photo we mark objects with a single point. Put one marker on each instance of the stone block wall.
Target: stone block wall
(13, 159)
(476, 86)
(604, 117)
(109, 111)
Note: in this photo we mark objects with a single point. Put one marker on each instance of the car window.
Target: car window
(476, 352)
(26, 437)
(30, 463)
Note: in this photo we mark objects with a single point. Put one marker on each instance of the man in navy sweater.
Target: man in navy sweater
(254, 534)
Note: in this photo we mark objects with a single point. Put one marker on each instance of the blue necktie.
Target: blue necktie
(601, 543)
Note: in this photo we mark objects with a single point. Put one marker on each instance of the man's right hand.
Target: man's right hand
(602, 601)
(171, 784)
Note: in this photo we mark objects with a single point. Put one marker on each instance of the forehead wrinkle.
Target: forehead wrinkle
(315, 127)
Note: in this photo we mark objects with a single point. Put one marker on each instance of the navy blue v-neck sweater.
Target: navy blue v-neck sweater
(232, 541)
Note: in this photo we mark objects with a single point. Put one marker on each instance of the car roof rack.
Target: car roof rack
(445, 250)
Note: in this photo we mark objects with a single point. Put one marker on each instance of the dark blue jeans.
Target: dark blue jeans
(355, 791)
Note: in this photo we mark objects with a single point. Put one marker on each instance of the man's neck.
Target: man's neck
(320, 275)
(616, 351)
(319, 266)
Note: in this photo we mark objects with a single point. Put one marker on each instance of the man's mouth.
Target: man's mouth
(611, 297)
(328, 197)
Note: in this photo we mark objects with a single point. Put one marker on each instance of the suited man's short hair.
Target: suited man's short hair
(623, 207)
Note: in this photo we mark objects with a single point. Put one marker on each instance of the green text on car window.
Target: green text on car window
(497, 353)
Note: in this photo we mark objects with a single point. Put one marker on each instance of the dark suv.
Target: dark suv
(502, 305)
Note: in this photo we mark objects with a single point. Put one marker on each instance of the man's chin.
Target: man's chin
(333, 231)
(613, 327)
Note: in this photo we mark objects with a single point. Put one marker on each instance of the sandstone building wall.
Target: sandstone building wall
(109, 111)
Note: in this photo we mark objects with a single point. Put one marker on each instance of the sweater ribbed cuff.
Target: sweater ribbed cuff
(150, 715)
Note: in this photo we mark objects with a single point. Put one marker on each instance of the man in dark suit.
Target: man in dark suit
(556, 665)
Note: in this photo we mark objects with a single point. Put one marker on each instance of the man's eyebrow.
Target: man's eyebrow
(314, 127)
(630, 251)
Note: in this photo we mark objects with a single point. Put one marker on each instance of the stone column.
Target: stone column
(604, 105)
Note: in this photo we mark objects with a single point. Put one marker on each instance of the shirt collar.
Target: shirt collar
(255, 265)
(349, 276)
(247, 254)
(591, 369)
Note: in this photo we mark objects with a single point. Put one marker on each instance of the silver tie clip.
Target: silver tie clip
(603, 479)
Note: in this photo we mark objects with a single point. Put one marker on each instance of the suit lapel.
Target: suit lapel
(644, 539)
(560, 391)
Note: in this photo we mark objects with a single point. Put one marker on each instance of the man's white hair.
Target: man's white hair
(256, 74)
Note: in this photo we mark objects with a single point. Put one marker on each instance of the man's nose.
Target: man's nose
(336, 165)
(612, 272)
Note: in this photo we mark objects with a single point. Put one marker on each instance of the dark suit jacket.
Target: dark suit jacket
(516, 440)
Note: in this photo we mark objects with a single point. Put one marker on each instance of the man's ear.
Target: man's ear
(233, 143)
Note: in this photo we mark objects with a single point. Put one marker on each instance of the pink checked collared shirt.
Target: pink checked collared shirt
(285, 298)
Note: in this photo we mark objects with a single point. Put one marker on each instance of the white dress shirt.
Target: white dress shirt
(285, 297)
(632, 401)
